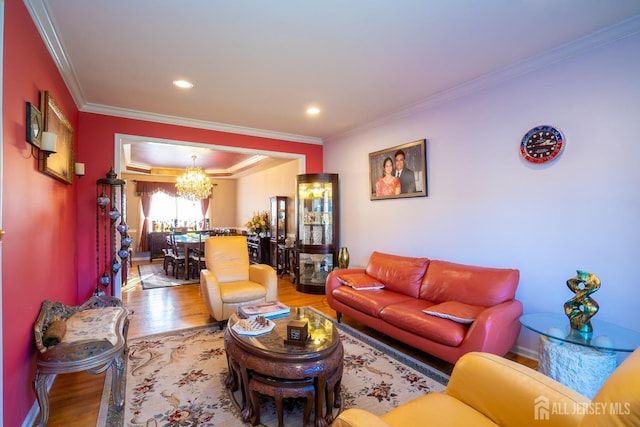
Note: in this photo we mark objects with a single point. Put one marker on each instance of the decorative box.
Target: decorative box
(297, 332)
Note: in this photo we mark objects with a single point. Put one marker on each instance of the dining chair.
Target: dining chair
(177, 254)
(167, 251)
(197, 258)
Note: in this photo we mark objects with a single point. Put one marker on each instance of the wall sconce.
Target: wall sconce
(45, 142)
(34, 126)
(48, 144)
(79, 169)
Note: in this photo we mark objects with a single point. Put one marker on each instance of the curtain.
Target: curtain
(150, 187)
(145, 198)
(204, 207)
(145, 189)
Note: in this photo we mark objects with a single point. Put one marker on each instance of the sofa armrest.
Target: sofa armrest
(512, 394)
(484, 390)
(495, 330)
(267, 277)
(358, 418)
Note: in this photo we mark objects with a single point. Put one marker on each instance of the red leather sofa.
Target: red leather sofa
(480, 300)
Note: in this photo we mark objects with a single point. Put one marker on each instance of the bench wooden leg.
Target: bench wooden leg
(40, 387)
(117, 385)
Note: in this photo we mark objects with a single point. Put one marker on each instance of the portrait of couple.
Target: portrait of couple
(392, 171)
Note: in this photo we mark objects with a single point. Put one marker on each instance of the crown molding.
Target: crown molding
(41, 17)
(194, 123)
(621, 30)
(42, 20)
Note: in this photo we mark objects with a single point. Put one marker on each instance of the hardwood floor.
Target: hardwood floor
(75, 398)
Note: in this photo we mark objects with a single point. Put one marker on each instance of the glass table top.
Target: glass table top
(605, 336)
(323, 335)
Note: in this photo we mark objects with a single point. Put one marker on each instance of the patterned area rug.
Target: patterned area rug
(177, 379)
(152, 276)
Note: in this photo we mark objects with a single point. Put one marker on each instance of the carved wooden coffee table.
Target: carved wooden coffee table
(264, 364)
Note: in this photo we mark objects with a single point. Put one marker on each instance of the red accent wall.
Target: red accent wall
(97, 136)
(48, 251)
(39, 215)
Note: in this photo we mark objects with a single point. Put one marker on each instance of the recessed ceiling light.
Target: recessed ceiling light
(183, 84)
(313, 111)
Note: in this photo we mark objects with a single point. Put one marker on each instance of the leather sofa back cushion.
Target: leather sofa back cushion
(447, 281)
(398, 273)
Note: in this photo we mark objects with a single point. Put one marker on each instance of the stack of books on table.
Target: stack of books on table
(270, 310)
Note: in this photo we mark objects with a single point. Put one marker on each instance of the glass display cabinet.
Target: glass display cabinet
(278, 232)
(317, 230)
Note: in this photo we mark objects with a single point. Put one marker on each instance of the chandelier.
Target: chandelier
(193, 184)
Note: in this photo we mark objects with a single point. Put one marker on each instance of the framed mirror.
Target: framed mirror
(60, 164)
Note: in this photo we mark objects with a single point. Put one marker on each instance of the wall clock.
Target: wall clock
(542, 144)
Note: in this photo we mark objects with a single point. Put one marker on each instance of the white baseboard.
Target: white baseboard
(525, 352)
(34, 412)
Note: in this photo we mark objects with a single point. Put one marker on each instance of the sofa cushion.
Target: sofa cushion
(447, 281)
(398, 273)
(456, 311)
(360, 281)
(241, 291)
(370, 302)
(408, 315)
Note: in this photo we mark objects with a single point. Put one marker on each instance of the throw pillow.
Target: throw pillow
(360, 281)
(54, 333)
(456, 311)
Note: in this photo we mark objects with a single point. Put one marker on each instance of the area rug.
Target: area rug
(177, 379)
(152, 276)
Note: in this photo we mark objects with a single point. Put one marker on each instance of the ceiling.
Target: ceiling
(257, 65)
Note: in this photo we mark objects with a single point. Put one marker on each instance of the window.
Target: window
(166, 209)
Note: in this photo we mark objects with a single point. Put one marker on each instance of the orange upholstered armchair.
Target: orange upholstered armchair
(489, 391)
(229, 281)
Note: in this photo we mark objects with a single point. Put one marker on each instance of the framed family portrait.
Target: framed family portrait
(399, 171)
(60, 164)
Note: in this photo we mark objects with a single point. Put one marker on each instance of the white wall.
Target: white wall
(254, 191)
(488, 207)
(222, 206)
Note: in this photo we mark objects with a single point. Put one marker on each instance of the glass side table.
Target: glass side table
(573, 359)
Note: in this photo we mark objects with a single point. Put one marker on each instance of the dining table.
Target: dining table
(189, 242)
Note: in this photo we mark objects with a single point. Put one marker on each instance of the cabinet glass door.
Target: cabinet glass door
(314, 268)
(316, 213)
(317, 231)
(278, 218)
